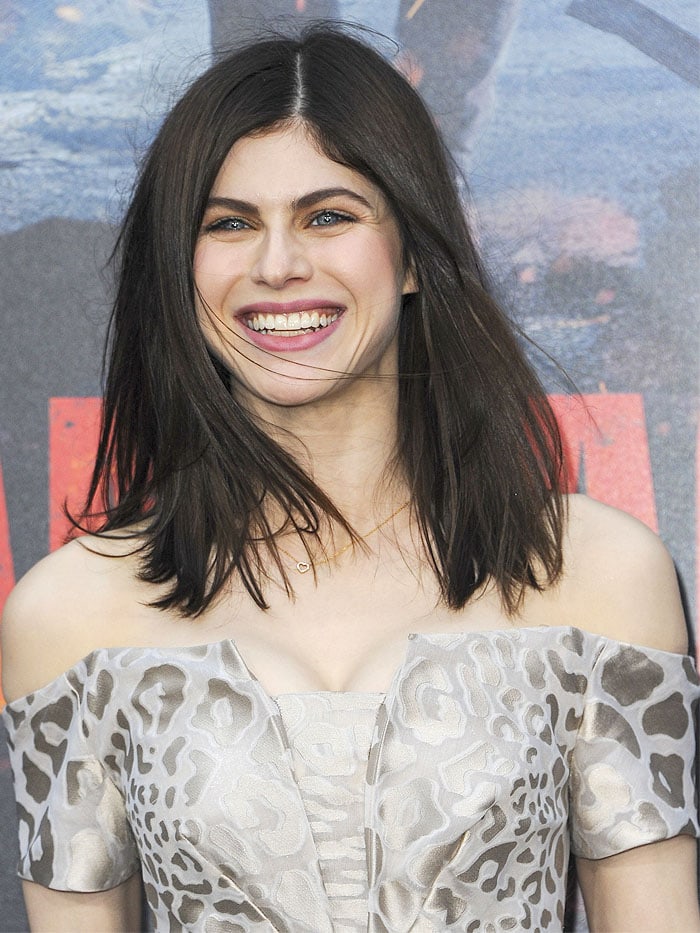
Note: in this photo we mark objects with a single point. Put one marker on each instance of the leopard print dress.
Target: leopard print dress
(452, 803)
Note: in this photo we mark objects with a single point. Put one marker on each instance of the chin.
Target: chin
(292, 395)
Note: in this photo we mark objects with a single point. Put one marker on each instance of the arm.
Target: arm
(651, 888)
(621, 582)
(624, 586)
(45, 630)
(115, 911)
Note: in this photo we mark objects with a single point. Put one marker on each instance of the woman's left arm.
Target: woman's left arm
(625, 585)
(651, 888)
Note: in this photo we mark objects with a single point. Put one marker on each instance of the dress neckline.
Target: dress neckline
(412, 638)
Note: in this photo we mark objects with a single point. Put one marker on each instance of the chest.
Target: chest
(345, 632)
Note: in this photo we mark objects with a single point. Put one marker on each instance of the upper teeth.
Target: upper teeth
(294, 321)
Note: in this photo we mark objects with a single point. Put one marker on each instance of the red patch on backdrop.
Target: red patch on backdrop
(607, 451)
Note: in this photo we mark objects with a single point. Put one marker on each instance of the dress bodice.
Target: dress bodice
(492, 756)
(329, 735)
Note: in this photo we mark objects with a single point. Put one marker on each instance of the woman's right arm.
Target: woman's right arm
(115, 911)
(44, 630)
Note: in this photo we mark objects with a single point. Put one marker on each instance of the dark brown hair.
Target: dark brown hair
(478, 442)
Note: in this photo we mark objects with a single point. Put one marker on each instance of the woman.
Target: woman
(324, 453)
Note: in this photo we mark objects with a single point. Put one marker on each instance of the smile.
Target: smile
(290, 325)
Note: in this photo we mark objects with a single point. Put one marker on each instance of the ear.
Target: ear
(410, 281)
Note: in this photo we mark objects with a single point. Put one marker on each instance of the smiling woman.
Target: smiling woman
(340, 654)
(299, 271)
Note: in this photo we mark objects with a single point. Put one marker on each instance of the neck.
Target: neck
(348, 448)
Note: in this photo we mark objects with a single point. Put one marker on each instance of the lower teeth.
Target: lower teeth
(290, 333)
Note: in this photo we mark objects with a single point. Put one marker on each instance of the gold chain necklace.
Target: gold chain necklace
(303, 566)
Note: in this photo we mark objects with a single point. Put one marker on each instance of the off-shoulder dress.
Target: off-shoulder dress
(450, 803)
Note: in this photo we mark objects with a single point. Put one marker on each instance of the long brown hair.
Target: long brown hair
(478, 442)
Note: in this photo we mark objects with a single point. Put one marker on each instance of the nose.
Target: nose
(280, 259)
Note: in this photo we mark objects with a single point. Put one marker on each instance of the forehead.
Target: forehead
(281, 164)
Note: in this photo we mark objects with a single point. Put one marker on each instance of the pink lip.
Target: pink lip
(278, 344)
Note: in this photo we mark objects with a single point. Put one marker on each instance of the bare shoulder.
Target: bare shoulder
(619, 580)
(62, 609)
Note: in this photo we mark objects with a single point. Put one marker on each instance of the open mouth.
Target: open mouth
(293, 324)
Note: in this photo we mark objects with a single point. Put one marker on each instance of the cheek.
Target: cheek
(214, 269)
(203, 257)
(216, 336)
(203, 277)
(375, 267)
(385, 270)
(210, 293)
(205, 299)
(385, 262)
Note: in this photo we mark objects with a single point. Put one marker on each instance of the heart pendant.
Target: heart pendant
(303, 566)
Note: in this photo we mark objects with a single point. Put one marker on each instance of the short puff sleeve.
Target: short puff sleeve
(632, 767)
(73, 829)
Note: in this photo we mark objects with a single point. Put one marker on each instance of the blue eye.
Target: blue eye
(330, 219)
(228, 224)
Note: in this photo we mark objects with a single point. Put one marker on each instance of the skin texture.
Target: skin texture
(347, 629)
(274, 235)
(114, 911)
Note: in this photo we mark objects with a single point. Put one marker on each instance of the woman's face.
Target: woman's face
(299, 271)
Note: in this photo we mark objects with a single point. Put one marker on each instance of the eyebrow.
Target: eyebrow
(306, 200)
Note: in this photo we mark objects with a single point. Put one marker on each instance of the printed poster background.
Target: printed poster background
(577, 124)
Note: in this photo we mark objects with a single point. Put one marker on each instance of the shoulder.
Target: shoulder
(62, 609)
(619, 580)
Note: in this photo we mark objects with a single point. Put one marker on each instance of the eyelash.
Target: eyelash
(227, 223)
(224, 224)
(338, 217)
